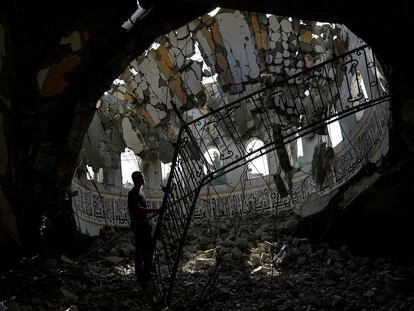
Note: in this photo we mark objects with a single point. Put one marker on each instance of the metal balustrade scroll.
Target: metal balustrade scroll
(279, 114)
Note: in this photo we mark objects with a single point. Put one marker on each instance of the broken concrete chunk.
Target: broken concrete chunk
(241, 51)
(122, 89)
(305, 47)
(195, 24)
(286, 25)
(275, 36)
(131, 136)
(309, 61)
(182, 33)
(306, 37)
(203, 263)
(274, 24)
(262, 270)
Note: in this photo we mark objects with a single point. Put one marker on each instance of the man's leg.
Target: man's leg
(147, 256)
(139, 257)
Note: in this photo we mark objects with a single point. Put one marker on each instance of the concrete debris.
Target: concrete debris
(284, 272)
(294, 274)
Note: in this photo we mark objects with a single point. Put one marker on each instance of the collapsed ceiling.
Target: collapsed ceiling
(207, 63)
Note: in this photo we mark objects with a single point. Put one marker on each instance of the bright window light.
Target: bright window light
(299, 146)
(214, 12)
(335, 133)
(364, 90)
(154, 46)
(100, 176)
(165, 172)
(129, 164)
(259, 165)
(208, 80)
(89, 172)
(212, 156)
(119, 82)
(133, 71)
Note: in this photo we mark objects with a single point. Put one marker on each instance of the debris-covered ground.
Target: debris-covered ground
(262, 268)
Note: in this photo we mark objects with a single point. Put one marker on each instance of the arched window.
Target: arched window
(165, 172)
(212, 156)
(129, 163)
(299, 144)
(335, 133)
(256, 167)
(95, 176)
(179, 173)
(89, 172)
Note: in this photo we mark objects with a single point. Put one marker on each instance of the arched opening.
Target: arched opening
(129, 163)
(335, 133)
(256, 167)
(212, 156)
(165, 172)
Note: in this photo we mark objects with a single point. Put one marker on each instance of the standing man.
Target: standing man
(141, 228)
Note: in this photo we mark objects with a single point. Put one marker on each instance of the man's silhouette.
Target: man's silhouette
(138, 211)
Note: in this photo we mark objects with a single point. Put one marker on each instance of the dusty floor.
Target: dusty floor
(257, 273)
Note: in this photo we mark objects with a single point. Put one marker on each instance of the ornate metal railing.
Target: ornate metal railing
(278, 114)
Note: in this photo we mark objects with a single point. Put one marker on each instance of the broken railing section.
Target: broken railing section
(278, 115)
(178, 204)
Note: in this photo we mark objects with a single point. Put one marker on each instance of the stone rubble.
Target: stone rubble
(290, 273)
(104, 281)
(262, 268)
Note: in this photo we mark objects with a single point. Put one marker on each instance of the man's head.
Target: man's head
(138, 178)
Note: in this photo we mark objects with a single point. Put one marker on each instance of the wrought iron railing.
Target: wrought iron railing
(278, 114)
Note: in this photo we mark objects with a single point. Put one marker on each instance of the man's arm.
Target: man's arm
(143, 204)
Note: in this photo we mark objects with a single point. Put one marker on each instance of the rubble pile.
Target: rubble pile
(263, 266)
(259, 272)
(104, 281)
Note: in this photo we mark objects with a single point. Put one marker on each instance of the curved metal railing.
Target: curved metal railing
(278, 114)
